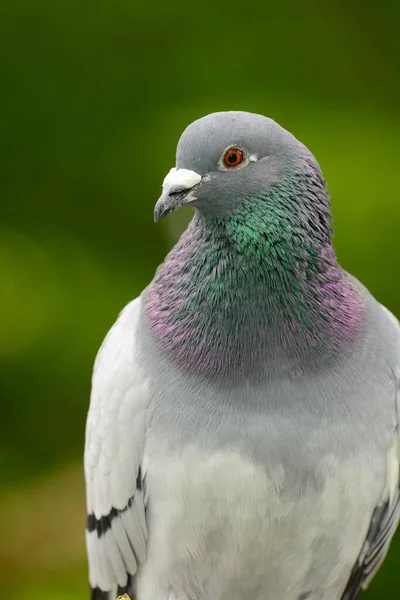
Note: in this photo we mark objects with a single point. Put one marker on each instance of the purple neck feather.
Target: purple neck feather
(253, 297)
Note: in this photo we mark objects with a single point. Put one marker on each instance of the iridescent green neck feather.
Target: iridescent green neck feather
(258, 293)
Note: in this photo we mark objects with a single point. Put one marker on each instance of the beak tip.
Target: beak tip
(158, 211)
(161, 209)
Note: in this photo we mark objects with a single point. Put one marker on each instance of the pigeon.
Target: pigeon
(242, 439)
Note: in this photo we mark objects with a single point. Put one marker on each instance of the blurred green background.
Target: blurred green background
(93, 99)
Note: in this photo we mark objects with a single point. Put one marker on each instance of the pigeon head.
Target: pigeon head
(255, 269)
(228, 162)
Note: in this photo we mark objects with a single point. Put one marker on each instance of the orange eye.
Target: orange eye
(233, 157)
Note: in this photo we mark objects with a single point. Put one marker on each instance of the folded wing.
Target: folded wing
(386, 516)
(116, 525)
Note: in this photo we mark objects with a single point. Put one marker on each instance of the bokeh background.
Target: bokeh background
(93, 99)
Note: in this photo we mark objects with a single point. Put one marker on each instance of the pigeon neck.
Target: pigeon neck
(232, 303)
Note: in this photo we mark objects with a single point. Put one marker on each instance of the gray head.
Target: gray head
(226, 158)
(255, 270)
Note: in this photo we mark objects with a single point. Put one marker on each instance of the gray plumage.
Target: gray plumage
(242, 438)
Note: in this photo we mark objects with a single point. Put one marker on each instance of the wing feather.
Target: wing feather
(386, 516)
(383, 525)
(116, 528)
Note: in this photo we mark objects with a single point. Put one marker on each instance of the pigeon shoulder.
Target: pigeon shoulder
(381, 327)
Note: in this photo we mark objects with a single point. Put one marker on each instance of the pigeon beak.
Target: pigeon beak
(177, 192)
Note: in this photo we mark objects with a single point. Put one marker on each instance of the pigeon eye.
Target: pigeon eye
(233, 157)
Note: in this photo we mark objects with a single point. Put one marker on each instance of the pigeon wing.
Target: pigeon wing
(116, 525)
(385, 517)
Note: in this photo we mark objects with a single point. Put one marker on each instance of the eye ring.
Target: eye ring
(233, 157)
